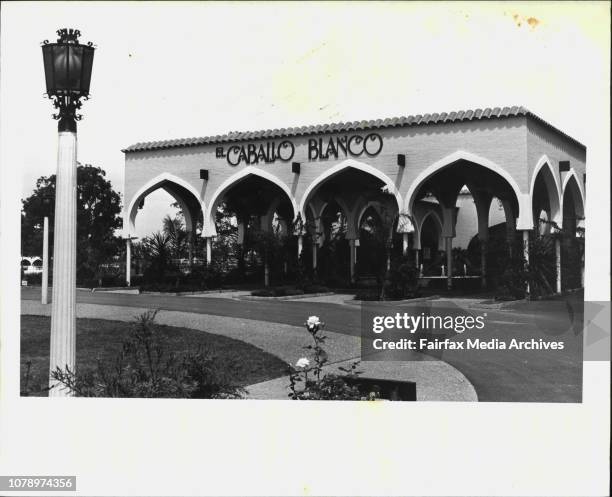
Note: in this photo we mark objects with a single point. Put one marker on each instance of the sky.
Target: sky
(171, 70)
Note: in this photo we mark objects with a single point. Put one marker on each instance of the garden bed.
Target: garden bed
(243, 364)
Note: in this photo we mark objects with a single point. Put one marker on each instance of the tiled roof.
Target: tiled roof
(418, 120)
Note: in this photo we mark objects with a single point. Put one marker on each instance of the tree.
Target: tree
(158, 252)
(98, 210)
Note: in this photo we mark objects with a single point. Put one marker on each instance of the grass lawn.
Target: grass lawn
(102, 339)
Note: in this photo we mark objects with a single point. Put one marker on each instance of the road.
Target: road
(497, 375)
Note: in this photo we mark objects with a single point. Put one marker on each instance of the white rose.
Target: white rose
(302, 363)
(313, 321)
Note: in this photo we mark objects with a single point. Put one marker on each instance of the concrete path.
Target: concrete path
(435, 380)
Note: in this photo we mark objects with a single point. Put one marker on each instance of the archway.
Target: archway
(351, 187)
(176, 244)
(545, 191)
(184, 194)
(431, 232)
(443, 184)
(545, 196)
(373, 238)
(572, 235)
(217, 197)
(333, 256)
(380, 181)
(545, 248)
(253, 217)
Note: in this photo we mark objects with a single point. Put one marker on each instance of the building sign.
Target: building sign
(332, 147)
(336, 146)
(251, 153)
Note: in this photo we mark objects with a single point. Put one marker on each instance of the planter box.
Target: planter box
(388, 389)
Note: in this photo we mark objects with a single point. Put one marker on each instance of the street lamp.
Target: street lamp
(68, 67)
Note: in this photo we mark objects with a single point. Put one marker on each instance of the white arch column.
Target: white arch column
(128, 261)
(558, 263)
(526, 256)
(208, 250)
(353, 244)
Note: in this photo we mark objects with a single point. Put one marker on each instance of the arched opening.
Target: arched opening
(253, 243)
(466, 226)
(333, 254)
(572, 243)
(185, 196)
(544, 198)
(349, 192)
(463, 191)
(166, 247)
(545, 206)
(372, 239)
(353, 168)
(431, 231)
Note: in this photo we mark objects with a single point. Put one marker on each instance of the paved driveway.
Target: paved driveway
(528, 376)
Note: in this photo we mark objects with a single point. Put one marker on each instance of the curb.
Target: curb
(286, 297)
(179, 294)
(418, 299)
(135, 289)
(110, 288)
(498, 305)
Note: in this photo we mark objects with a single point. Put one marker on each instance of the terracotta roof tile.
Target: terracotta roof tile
(417, 120)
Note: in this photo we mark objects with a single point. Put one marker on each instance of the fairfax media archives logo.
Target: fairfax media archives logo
(422, 332)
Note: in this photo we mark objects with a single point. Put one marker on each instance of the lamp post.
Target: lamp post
(68, 67)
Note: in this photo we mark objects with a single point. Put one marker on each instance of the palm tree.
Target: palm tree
(176, 235)
(158, 251)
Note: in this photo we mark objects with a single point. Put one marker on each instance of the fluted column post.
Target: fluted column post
(45, 263)
(208, 250)
(558, 262)
(353, 258)
(526, 256)
(404, 243)
(128, 261)
(63, 320)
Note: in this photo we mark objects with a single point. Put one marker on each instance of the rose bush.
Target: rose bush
(307, 382)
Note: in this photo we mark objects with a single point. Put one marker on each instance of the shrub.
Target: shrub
(402, 280)
(264, 292)
(279, 291)
(315, 288)
(144, 368)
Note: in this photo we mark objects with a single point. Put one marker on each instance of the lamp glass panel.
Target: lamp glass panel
(60, 65)
(49, 72)
(88, 53)
(75, 56)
